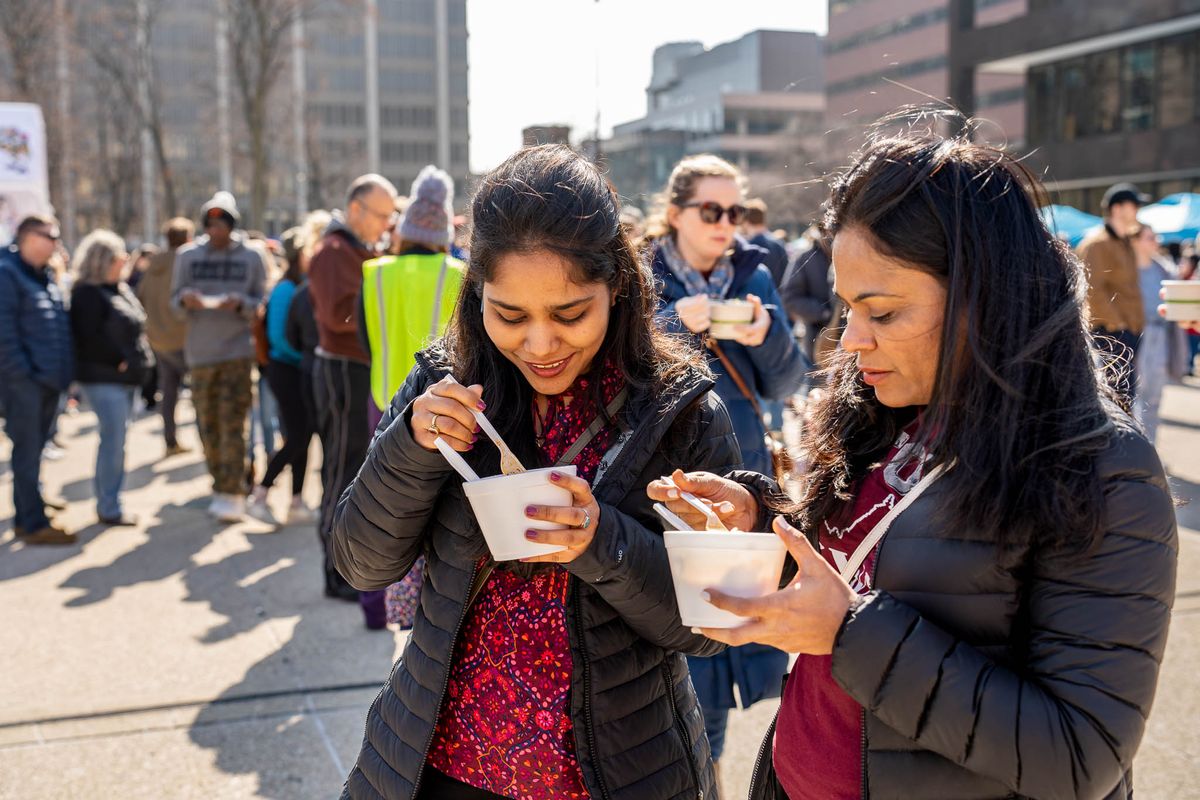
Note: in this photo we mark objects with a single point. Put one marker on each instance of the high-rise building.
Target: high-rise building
(883, 54)
(757, 101)
(546, 134)
(1113, 90)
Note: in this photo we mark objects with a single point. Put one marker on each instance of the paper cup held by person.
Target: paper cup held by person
(736, 563)
(499, 504)
(729, 315)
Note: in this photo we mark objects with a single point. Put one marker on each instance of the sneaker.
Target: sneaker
(121, 520)
(47, 535)
(261, 511)
(176, 450)
(300, 514)
(230, 508)
(55, 503)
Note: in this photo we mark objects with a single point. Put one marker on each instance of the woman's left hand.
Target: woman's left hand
(755, 333)
(580, 519)
(802, 617)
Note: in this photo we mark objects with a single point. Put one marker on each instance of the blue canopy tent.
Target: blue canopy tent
(1175, 218)
(1069, 223)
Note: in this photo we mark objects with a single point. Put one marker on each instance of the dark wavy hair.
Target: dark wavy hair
(550, 198)
(1019, 410)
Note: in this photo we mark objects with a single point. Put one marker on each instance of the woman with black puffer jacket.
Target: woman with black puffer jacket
(984, 552)
(112, 356)
(562, 675)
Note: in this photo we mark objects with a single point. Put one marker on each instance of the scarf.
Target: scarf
(716, 285)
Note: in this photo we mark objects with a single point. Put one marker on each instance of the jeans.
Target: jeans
(30, 409)
(113, 404)
(264, 417)
(287, 386)
(1152, 376)
(715, 721)
(171, 369)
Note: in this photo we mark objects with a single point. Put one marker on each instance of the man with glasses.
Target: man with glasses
(37, 362)
(220, 282)
(342, 368)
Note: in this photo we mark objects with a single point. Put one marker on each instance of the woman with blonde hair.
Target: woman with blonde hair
(699, 260)
(112, 357)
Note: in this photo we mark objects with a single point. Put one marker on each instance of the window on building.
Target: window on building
(1137, 87)
(1103, 80)
(1074, 103)
(1177, 81)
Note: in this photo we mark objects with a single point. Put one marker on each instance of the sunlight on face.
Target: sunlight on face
(542, 321)
(894, 319)
(700, 242)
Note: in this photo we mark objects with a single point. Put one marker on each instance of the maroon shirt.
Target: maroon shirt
(818, 748)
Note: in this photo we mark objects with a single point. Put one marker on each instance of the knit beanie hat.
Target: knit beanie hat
(222, 204)
(429, 217)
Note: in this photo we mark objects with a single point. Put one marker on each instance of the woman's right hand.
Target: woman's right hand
(733, 503)
(694, 312)
(450, 404)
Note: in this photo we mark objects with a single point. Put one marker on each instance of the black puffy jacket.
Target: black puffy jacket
(985, 681)
(639, 731)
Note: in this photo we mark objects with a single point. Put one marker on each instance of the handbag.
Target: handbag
(781, 460)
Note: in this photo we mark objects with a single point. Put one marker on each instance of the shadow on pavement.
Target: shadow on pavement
(139, 478)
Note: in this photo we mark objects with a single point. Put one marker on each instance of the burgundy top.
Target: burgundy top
(818, 748)
(506, 725)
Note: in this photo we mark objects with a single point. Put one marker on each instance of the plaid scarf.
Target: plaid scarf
(716, 285)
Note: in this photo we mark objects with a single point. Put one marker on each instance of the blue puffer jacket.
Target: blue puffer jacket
(774, 369)
(35, 330)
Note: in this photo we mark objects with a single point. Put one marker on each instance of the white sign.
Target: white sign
(24, 179)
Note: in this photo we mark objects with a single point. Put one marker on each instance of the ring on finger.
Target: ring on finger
(587, 520)
(433, 426)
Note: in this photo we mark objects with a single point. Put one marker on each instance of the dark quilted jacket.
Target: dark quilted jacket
(981, 681)
(638, 728)
(35, 331)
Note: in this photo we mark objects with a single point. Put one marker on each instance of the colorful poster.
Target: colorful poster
(24, 180)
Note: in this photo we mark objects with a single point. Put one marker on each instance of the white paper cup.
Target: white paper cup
(499, 505)
(1181, 291)
(727, 316)
(736, 563)
(1182, 312)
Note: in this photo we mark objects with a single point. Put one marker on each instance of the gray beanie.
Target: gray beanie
(429, 218)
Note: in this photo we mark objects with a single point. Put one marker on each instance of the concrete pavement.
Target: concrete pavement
(185, 659)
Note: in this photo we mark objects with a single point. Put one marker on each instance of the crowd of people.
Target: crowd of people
(971, 408)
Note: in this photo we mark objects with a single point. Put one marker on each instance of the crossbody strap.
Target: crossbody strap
(733, 373)
(881, 527)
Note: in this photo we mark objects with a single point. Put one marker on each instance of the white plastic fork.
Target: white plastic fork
(509, 463)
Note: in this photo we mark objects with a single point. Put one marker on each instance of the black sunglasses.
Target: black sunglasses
(711, 212)
(46, 234)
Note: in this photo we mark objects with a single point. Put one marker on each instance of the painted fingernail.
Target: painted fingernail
(530, 510)
(531, 534)
(555, 476)
(476, 429)
(706, 597)
(474, 438)
(482, 406)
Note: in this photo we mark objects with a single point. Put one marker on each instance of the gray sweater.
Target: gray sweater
(217, 335)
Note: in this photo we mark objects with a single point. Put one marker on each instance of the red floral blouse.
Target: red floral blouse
(506, 724)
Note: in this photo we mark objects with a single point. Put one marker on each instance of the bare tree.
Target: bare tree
(260, 41)
(27, 27)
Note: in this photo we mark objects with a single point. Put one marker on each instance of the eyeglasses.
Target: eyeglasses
(390, 219)
(53, 237)
(711, 212)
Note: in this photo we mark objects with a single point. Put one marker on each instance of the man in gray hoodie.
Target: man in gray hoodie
(220, 281)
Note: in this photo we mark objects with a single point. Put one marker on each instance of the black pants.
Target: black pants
(341, 389)
(287, 384)
(436, 786)
(1119, 349)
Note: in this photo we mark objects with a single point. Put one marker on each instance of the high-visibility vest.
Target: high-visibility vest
(407, 302)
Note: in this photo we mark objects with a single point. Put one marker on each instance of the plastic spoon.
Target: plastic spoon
(458, 462)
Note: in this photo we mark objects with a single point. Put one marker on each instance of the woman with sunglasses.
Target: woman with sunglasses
(984, 553)
(698, 259)
(560, 676)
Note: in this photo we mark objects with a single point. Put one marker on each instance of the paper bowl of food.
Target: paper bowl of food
(734, 562)
(729, 315)
(499, 504)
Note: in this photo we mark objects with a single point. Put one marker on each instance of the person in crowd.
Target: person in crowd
(139, 262)
(220, 281)
(556, 318)
(755, 230)
(342, 369)
(393, 235)
(166, 326)
(984, 551)
(1114, 300)
(1163, 346)
(37, 364)
(406, 302)
(112, 357)
(808, 296)
(287, 385)
(698, 259)
(263, 416)
(634, 223)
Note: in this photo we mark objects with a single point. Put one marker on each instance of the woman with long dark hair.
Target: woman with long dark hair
(560, 676)
(985, 545)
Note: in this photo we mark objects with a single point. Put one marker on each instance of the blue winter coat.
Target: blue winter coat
(774, 370)
(35, 331)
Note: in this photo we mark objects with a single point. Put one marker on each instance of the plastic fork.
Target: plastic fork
(509, 463)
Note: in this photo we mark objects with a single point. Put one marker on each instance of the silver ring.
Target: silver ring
(433, 426)
(587, 520)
